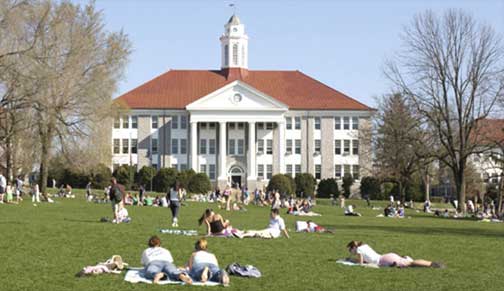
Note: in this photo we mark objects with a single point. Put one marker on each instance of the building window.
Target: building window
(269, 146)
(269, 126)
(203, 169)
(260, 125)
(183, 122)
(317, 145)
(154, 122)
(203, 147)
(337, 147)
(154, 145)
(346, 122)
(297, 168)
(317, 123)
(226, 55)
(211, 146)
(125, 120)
(346, 170)
(318, 171)
(117, 122)
(355, 172)
(235, 54)
(260, 171)
(202, 125)
(260, 146)
(231, 125)
(183, 146)
(125, 146)
(241, 144)
(297, 122)
(337, 122)
(134, 121)
(337, 171)
(241, 125)
(174, 146)
(297, 148)
(231, 148)
(346, 147)
(183, 167)
(134, 146)
(269, 171)
(355, 123)
(211, 171)
(211, 125)
(355, 147)
(288, 147)
(288, 123)
(174, 122)
(288, 169)
(117, 146)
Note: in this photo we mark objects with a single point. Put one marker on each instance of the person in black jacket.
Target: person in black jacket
(116, 196)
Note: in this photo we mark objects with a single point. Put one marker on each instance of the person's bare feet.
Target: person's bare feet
(204, 275)
(158, 278)
(225, 279)
(186, 279)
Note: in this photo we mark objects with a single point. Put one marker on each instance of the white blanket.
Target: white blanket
(135, 275)
(350, 263)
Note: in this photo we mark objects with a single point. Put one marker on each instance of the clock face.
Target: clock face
(237, 98)
(235, 29)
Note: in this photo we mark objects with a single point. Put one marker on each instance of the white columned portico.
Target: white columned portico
(281, 146)
(194, 146)
(222, 151)
(252, 151)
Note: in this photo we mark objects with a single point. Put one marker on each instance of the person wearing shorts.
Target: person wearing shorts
(366, 255)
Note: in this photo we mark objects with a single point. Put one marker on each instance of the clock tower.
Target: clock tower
(234, 45)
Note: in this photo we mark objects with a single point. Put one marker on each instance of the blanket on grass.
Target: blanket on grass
(179, 232)
(350, 263)
(136, 275)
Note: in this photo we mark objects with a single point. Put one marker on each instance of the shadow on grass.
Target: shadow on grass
(82, 220)
(426, 230)
(13, 222)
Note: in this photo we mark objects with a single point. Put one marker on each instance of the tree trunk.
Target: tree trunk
(46, 140)
(8, 159)
(427, 187)
(501, 193)
(461, 189)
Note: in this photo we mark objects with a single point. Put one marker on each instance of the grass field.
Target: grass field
(42, 247)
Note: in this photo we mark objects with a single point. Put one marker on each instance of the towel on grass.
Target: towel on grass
(350, 263)
(136, 275)
(179, 232)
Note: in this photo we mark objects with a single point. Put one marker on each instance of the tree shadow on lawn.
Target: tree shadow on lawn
(82, 220)
(425, 230)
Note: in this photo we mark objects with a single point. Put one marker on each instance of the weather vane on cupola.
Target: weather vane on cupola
(233, 5)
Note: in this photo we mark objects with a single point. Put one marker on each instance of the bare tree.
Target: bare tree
(78, 65)
(451, 69)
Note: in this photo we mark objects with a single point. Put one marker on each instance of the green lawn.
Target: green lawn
(42, 247)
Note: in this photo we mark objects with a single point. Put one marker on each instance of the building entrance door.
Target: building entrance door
(236, 174)
(236, 180)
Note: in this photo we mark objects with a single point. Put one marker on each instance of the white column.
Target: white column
(252, 152)
(194, 146)
(281, 146)
(222, 151)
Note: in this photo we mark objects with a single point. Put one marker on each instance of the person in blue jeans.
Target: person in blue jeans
(203, 265)
(158, 264)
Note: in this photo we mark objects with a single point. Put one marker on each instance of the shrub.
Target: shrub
(125, 175)
(388, 188)
(100, 176)
(145, 176)
(305, 184)
(348, 181)
(164, 179)
(184, 177)
(199, 184)
(370, 186)
(280, 183)
(327, 187)
(292, 182)
(415, 192)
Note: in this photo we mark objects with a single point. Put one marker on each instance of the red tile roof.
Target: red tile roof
(490, 131)
(176, 89)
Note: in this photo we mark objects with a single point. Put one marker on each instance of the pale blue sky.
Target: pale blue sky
(341, 43)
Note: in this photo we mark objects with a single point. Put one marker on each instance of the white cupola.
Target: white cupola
(234, 45)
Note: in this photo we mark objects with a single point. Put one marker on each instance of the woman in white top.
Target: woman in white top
(366, 255)
(203, 265)
(158, 263)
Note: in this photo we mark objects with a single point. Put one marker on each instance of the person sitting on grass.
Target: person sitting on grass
(203, 265)
(366, 255)
(349, 211)
(158, 264)
(215, 224)
(275, 228)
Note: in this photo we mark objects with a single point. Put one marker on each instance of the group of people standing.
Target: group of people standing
(11, 193)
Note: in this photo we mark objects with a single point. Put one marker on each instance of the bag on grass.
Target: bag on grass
(243, 271)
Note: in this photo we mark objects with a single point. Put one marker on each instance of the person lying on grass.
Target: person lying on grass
(203, 265)
(215, 223)
(366, 255)
(349, 211)
(313, 227)
(275, 228)
(158, 264)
